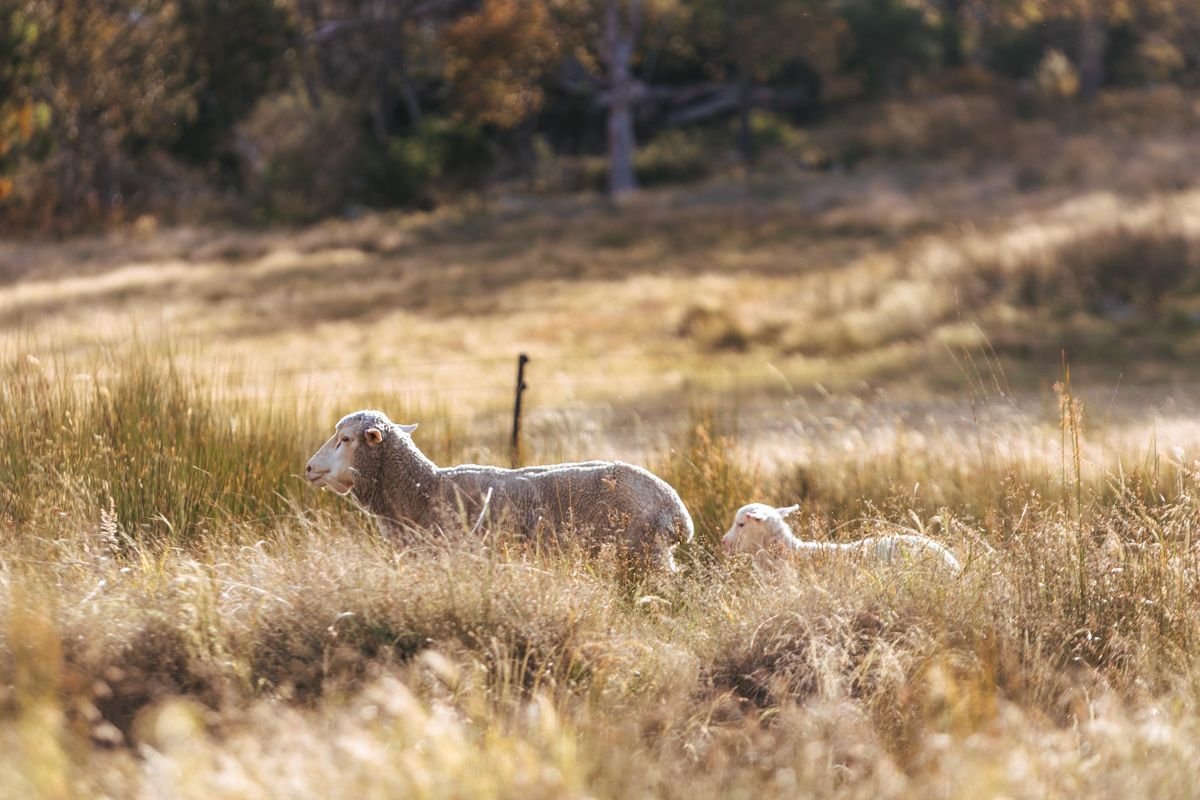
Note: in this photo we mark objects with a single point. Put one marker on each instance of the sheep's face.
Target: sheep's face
(757, 527)
(333, 466)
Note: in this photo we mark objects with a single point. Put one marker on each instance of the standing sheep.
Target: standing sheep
(758, 527)
(377, 461)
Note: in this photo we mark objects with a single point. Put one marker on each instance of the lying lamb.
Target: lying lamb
(758, 528)
(377, 460)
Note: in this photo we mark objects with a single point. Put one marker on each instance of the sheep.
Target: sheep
(758, 528)
(377, 462)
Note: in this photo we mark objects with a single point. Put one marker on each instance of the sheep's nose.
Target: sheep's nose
(308, 469)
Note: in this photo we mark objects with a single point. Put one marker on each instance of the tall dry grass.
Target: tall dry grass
(168, 634)
(181, 616)
(148, 445)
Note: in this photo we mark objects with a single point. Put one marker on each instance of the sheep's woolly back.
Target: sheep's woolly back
(599, 500)
(761, 529)
(901, 547)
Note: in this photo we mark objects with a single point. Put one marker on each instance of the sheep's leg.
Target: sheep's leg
(669, 563)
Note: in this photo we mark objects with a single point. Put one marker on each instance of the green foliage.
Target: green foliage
(773, 131)
(891, 42)
(18, 69)
(1018, 50)
(673, 157)
(238, 54)
(442, 154)
(112, 78)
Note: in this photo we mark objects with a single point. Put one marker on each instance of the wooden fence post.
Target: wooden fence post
(522, 360)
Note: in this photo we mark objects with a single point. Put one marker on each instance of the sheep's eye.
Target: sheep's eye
(741, 524)
(345, 438)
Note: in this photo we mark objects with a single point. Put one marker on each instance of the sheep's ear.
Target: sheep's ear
(407, 428)
(757, 516)
(783, 512)
(373, 436)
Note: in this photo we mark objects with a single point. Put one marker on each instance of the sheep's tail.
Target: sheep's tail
(672, 524)
(689, 526)
(952, 562)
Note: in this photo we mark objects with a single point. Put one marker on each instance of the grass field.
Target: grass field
(180, 616)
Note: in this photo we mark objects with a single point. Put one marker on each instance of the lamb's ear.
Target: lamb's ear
(757, 516)
(407, 428)
(373, 436)
(783, 512)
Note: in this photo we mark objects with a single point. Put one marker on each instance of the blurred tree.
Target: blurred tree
(1092, 22)
(1164, 39)
(18, 113)
(112, 79)
(1183, 28)
(387, 54)
(890, 43)
(422, 94)
(622, 23)
(951, 18)
(962, 25)
(496, 58)
(757, 41)
(605, 42)
(238, 53)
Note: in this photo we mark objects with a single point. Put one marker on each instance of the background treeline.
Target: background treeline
(290, 110)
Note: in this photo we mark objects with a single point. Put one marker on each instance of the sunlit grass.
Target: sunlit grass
(843, 279)
(282, 647)
(145, 443)
(180, 615)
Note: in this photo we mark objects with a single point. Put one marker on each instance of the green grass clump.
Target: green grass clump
(146, 445)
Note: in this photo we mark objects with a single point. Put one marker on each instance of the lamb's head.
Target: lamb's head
(339, 460)
(758, 526)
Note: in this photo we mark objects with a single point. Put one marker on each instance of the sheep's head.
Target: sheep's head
(756, 527)
(333, 466)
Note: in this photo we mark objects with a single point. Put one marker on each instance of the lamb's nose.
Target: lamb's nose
(308, 469)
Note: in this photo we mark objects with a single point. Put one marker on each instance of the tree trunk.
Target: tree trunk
(1093, 42)
(380, 106)
(411, 104)
(952, 34)
(618, 49)
(309, 63)
(384, 28)
(746, 148)
(737, 43)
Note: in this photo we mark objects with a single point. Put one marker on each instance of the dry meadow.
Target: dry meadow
(1002, 363)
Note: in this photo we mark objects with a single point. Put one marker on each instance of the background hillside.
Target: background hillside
(270, 111)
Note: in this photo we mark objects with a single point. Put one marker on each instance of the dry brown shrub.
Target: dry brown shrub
(299, 159)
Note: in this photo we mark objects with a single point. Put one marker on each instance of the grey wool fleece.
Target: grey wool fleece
(601, 501)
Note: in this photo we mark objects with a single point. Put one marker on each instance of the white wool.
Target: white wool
(377, 460)
(762, 529)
